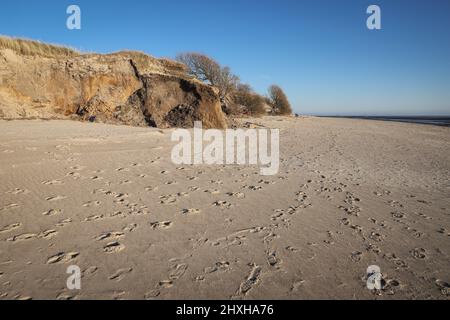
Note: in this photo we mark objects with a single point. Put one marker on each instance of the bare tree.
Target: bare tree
(200, 66)
(208, 70)
(227, 82)
(279, 100)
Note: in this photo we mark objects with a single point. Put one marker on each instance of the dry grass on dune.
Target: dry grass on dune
(145, 62)
(40, 49)
(36, 48)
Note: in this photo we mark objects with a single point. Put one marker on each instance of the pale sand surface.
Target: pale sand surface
(350, 194)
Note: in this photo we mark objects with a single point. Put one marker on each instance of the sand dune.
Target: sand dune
(349, 194)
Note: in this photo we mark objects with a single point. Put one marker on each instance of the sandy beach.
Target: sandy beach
(349, 194)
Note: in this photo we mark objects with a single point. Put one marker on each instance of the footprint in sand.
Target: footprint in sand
(272, 259)
(177, 271)
(52, 182)
(66, 296)
(113, 247)
(238, 195)
(77, 168)
(136, 164)
(415, 233)
(345, 221)
(352, 210)
(120, 274)
(64, 222)
(17, 191)
(297, 285)
(10, 227)
(10, 206)
(161, 225)
(166, 284)
(222, 204)
(90, 271)
(218, 266)
(22, 298)
(172, 198)
(48, 234)
(62, 257)
(250, 282)
(360, 229)
(213, 192)
(52, 212)
(74, 175)
(116, 214)
(92, 204)
(356, 256)
(130, 228)
(419, 253)
(397, 215)
(373, 248)
(167, 199)
(110, 235)
(94, 218)
(152, 294)
(292, 249)
(376, 236)
(424, 216)
(22, 237)
(443, 286)
(190, 211)
(55, 198)
(266, 182)
(395, 204)
(120, 197)
(397, 261)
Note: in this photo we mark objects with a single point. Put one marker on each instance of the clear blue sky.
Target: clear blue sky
(319, 51)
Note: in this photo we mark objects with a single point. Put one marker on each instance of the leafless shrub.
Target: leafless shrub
(208, 70)
(279, 101)
(253, 102)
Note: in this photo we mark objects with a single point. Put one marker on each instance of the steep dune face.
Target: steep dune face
(126, 88)
(193, 101)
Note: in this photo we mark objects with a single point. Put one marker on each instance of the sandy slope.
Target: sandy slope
(350, 193)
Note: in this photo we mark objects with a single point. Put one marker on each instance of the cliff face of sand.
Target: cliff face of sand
(125, 88)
